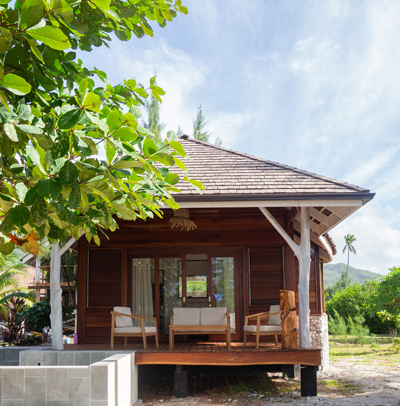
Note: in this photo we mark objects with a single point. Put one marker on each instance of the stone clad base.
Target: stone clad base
(319, 337)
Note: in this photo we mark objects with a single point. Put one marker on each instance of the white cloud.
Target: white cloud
(378, 242)
(231, 127)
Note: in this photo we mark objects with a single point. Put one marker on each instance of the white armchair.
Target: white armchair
(267, 323)
(122, 326)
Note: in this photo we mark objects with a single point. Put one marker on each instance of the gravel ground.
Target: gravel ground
(347, 382)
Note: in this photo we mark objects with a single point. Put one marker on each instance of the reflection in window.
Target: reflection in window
(224, 285)
(170, 289)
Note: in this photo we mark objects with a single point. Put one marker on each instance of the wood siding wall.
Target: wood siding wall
(266, 264)
(266, 275)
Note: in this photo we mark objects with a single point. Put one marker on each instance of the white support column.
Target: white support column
(304, 279)
(56, 318)
(38, 264)
(302, 253)
(55, 299)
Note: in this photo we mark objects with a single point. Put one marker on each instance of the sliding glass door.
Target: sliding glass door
(160, 283)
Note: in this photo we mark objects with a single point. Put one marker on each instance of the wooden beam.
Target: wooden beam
(281, 231)
(302, 253)
(309, 356)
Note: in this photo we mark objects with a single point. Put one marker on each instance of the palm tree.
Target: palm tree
(10, 268)
(350, 239)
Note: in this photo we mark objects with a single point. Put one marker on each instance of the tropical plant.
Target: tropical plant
(337, 287)
(350, 239)
(37, 317)
(10, 268)
(11, 328)
(56, 115)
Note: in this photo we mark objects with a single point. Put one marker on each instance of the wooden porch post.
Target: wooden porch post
(302, 253)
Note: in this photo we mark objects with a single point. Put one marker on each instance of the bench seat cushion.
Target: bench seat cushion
(263, 329)
(186, 316)
(135, 330)
(213, 316)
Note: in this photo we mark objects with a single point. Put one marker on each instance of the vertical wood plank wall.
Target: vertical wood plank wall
(267, 264)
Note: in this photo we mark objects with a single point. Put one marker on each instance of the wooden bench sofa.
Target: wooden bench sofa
(205, 320)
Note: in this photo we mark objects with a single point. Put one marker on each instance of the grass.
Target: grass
(339, 387)
(243, 386)
(379, 349)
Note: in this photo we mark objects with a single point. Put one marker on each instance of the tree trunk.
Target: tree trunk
(56, 299)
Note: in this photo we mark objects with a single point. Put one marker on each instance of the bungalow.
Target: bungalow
(246, 237)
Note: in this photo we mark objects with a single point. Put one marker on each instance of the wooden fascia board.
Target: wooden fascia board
(350, 203)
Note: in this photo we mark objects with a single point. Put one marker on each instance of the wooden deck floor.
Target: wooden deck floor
(211, 353)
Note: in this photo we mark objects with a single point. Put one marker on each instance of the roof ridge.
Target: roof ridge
(278, 164)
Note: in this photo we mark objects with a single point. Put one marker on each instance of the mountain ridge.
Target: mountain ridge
(332, 273)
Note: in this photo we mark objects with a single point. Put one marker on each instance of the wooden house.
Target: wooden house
(233, 258)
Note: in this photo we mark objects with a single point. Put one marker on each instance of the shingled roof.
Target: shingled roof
(228, 174)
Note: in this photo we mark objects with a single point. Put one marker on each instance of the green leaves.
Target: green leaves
(31, 13)
(92, 102)
(53, 37)
(58, 118)
(48, 188)
(16, 84)
(69, 119)
(19, 215)
(69, 174)
(5, 40)
(9, 129)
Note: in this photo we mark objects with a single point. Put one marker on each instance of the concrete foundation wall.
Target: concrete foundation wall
(69, 378)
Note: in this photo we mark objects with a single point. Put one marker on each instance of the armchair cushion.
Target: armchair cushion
(213, 316)
(135, 330)
(252, 328)
(275, 320)
(185, 316)
(121, 321)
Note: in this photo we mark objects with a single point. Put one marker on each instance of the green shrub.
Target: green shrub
(37, 317)
(357, 300)
(387, 301)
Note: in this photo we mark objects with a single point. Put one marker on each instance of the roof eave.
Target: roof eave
(255, 200)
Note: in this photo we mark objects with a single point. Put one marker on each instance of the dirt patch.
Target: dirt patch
(362, 381)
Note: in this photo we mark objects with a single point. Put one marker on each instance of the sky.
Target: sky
(310, 84)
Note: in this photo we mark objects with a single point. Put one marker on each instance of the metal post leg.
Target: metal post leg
(180, 382)
(308, 380)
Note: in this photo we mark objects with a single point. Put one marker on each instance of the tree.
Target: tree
(55, 118)
(387, 302)
(198, 126)
(153, 118)
(338, 286)
(350, 239)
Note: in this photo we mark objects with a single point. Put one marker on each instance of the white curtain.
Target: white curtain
(142, 292)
